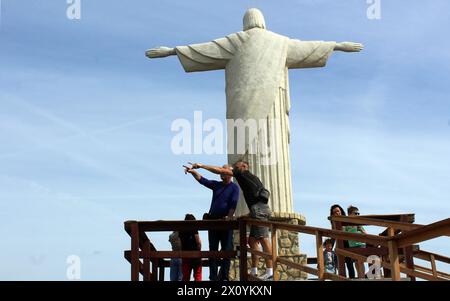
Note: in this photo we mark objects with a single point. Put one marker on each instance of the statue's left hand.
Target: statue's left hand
(349, 47)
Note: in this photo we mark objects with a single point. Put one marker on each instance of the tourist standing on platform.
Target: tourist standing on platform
(330, 258)
(175, 263)
(190, 241)
(225, 196)
(354, 211)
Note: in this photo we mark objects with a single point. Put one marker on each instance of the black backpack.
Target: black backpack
(261, 194)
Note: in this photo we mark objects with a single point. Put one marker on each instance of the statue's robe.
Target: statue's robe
(256, 64)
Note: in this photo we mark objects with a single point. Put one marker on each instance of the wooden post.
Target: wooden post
(409, 259)
(340, 245)
(134, 251)
(393, 256)
(433, 265)
(243, 270)
(360, 269)
(154, 275)
(274, 252)
(320, 259)
(146, 260)
(161, 270)
(386, 271)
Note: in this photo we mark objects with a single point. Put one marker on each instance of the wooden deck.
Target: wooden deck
(396, 247)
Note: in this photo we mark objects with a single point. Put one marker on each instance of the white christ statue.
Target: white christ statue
(256, 63)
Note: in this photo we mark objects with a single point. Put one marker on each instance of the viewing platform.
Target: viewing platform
(395, 248)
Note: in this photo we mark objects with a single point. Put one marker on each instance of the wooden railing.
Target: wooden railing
(394, 247)
(153, 262)
(319, 234)
(403, 235)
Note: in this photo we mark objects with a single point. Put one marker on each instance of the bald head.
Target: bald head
(226, 179)
(254, 18)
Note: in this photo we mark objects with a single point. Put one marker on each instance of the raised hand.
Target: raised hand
(187, 170)
(160, 52)
(349, 47)
(195, 165)
(193, 172)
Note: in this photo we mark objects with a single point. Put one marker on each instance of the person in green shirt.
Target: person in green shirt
(354, 211)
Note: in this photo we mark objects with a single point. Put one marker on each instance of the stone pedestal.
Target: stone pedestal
(288, 248)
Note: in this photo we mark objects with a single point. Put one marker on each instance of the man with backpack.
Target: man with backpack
(256, 198)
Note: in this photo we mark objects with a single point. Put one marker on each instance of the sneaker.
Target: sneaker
(266, 277)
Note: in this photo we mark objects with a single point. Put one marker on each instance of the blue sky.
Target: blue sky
(85, 121)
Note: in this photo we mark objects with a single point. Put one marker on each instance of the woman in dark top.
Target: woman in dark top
(337, 210)
(190, 241)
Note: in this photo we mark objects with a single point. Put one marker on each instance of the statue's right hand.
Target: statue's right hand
(159, 52)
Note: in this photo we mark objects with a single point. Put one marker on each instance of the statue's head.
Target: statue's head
(254, 18)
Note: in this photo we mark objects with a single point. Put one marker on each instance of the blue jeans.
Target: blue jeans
(225, 239)
(175, 269)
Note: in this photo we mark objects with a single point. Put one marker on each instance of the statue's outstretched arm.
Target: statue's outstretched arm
(349, 47)
(160, 52)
